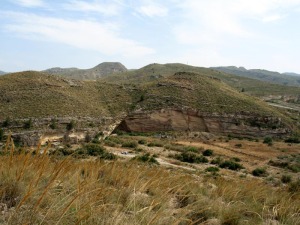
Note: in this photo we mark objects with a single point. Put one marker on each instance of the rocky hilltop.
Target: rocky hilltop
(101, 70)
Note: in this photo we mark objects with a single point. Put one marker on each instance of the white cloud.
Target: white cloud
(30, 3)
(209, 21)
(153, 10)
(109, 9)
(83, 34)
(272, 18)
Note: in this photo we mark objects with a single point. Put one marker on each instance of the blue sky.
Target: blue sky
(40, 34)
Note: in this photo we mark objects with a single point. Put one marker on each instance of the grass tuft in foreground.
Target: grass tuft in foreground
(42, 189)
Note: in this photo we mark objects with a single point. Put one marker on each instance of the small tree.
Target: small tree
(259, 172)
(1, 134)
(286, 178)
(28, 124)
(70, 125)
(53, 124)
(268, 141)
(6, 122)
(208, 152)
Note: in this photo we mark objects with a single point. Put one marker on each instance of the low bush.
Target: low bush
(217, 161)
(208, 152)
(70, 125)
(108, 156)
(294, 139)
(28, 124)
(110, 143)
(155, 144)
(146, 158)
(286, 178)
(295, 186)
(129, 144)
(53, 124)
(192, 149)
(94, 149)
(259, 172)
(6, 122)
(191, 157)
(1, 134)
(231, 165)
(212, 169)
(236, 159)
(142, 142)
(268, 141)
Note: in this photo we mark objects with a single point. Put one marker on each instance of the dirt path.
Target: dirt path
(222, 150)
(125, 153)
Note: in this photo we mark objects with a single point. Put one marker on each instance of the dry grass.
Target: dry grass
(39, 189)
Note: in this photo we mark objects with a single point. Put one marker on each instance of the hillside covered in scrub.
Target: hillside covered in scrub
(209, 103)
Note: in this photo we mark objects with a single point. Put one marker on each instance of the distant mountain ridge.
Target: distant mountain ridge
(2, 72)
(101, 70)
(290, 79)
(292, 74)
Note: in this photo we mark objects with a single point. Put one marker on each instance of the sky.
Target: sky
(40, 34)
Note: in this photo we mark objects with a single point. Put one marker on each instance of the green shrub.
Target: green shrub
(130, 144)
(238, 145)
(53, 124)
(115, 140)
(155, 144)
(27, 124)
(217, 161)
(192, 149)
(108, 156)
(259, 172)
(294, 186)
(142, 142)
(286, 178)
(6, 122)
(228, 164)
(294, 139)
(94, 149)
(110, 143)
(1, 134)
(191, 157)
(208, 152)
(146, 158)
(268, 141)
(294, 168)
(212, 169)
(236, 159)
(70, 125)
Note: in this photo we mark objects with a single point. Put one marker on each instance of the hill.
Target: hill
(34, 94)
(192, 102)
(183, 101)
(154, 72)
(263, 75)
(292, 74)
(94, 73)
(1, 72)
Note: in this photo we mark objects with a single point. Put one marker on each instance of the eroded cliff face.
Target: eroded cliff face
(43, 130)
(190, 120)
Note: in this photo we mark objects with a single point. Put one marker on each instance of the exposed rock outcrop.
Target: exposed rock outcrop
(190, 120)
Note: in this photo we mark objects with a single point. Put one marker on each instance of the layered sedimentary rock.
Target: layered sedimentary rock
(190, 120)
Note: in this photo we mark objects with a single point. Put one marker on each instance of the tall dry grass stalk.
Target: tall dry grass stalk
(36, 188)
